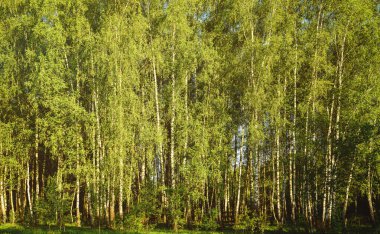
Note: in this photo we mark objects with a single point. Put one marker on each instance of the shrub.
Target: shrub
(253, 224)
(210, 221)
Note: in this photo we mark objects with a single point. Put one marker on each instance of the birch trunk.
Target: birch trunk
(187, 119)
(112, 201)
(278, 197)
(78, 221)
(59, 190)
(326, 195)
(226, 200)
(37, 164)
(98, 147)
(2, 200)
(159, 138)
(257, 180)
(312, 99)
(106, 203)
(13, 217)
(273, 191)
(121, 183)
(294, 146)
(28, 189)
(237, 208)
(337, 123)
(369, 194)
(172, 121)
(345, 205)
(89, 198)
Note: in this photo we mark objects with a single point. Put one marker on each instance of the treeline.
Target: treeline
(192, 113)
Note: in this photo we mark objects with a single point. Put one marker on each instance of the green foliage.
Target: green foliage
(143, 215)
(131, 112)
(54, 204)
(136, 222)
(210, 221)
(254, 224)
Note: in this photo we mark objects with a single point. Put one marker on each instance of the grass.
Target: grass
(16, 228)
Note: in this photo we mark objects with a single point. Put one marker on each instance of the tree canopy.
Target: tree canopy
(190, 113)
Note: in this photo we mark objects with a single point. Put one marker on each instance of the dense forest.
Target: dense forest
(190, 113)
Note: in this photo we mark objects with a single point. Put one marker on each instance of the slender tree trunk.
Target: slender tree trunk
(28, 189)
(283, 198)
(78, 220)
(19, 194)
(284, 126)
(294, 146)
(60, 193)
(234, 179)
(226, 188)
(90, 204)
(2, 199)
(369, 194)
(257, 179)
(278, 198)
(121, 183)
(241, 155)
(273, 191)
(264, 192)
(159, 141)
(172, 126)
(112, 201)
(94, 177)
(172, 121)
(306, 149)
(37, 163)
(98, 147)
(13, 217)
(43, 174)
(326, 196)
(337, 124)
(344, 212)
(187, 119)
(107, 197)
(255, 159)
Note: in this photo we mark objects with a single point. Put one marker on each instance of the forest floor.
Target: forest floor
(15, 228)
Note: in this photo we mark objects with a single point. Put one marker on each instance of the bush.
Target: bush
(135, 222)
(210, 221)
(253, 224)
(140, 217)
(48, 206)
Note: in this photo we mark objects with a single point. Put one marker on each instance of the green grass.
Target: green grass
(16, 228)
